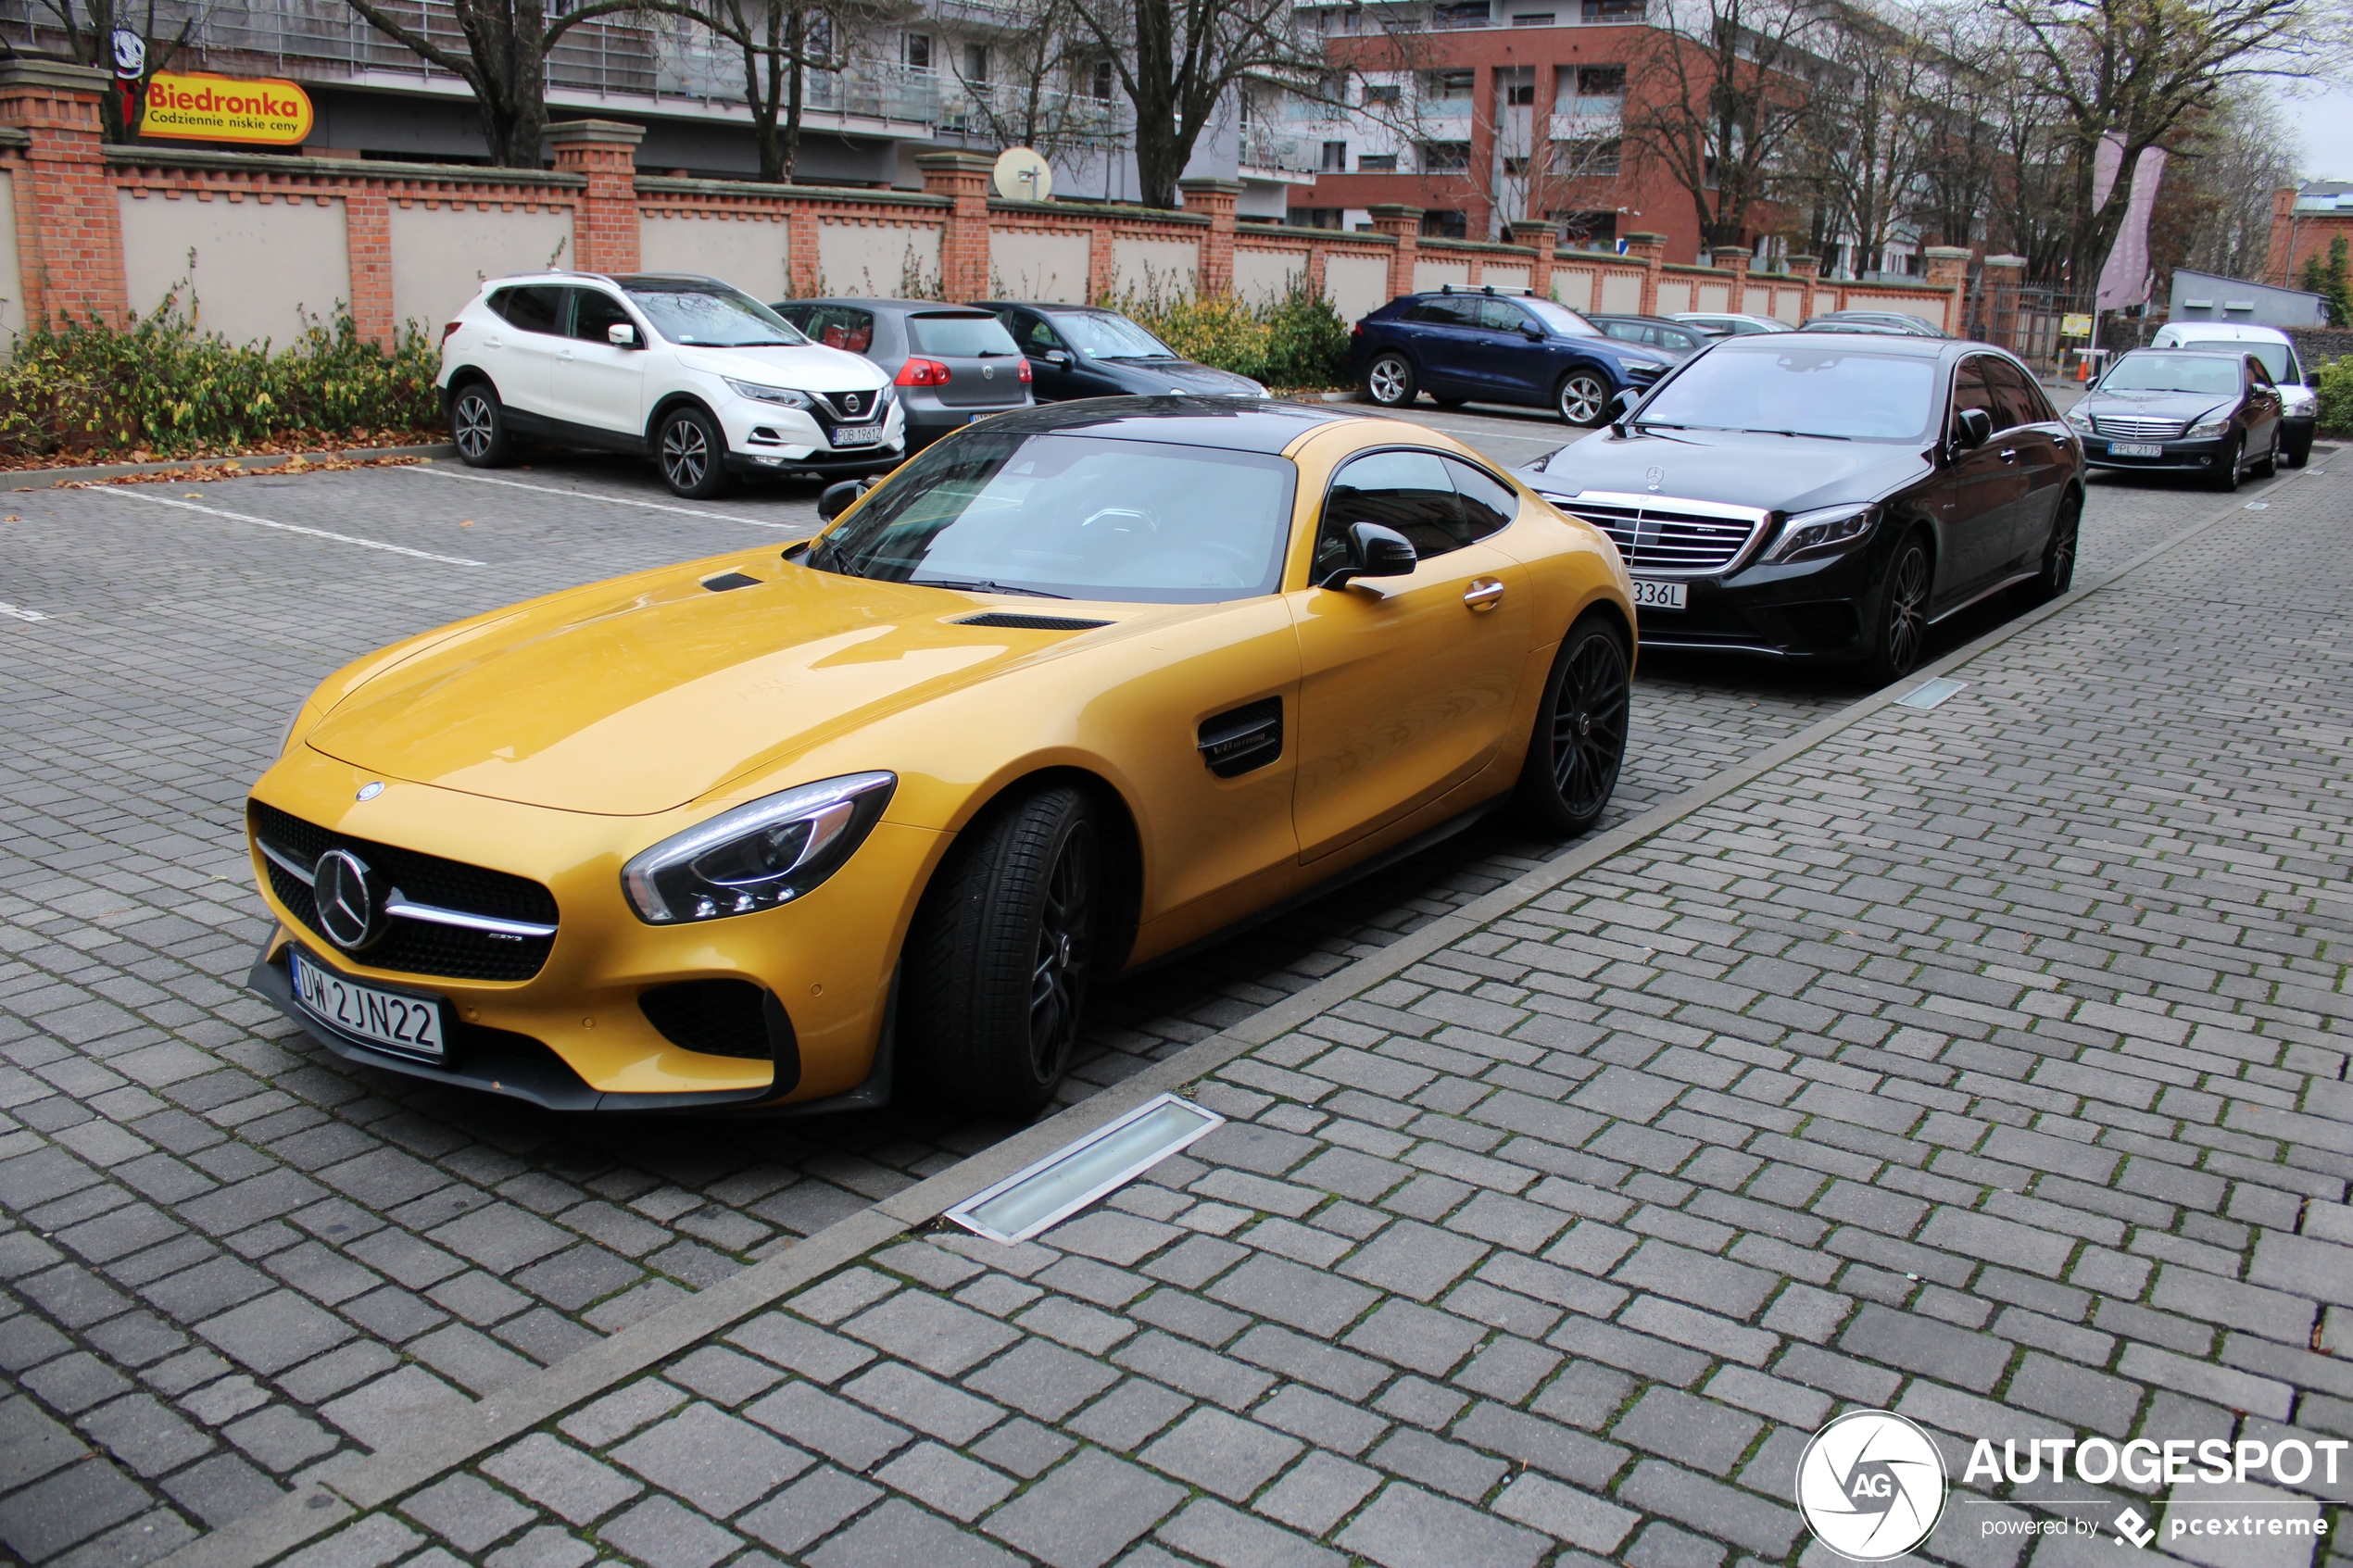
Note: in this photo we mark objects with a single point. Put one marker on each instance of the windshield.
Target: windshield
(710, 316)
(1075, 517)
(971, 335)
(1561, 318)
(2212, 375)
(1788, 387)
(1099, 334)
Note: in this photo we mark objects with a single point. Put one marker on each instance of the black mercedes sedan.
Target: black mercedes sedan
(1825, 496)
(2210, 411)
(1086, 351)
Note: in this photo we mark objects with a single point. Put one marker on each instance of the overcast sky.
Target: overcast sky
(2324, 121)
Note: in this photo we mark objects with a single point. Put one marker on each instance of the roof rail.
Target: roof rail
(1484, 288)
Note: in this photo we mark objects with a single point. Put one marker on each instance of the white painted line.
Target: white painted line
(126, 493)
(591, 495)
(22, 614)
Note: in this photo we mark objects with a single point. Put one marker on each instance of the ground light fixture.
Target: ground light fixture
(1039, 1197)
(1928, 694)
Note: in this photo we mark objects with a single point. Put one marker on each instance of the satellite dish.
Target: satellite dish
(1022, 175)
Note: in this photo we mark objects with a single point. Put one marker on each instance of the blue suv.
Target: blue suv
(1496, 345)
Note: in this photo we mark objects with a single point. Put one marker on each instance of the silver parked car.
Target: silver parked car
(949, 364)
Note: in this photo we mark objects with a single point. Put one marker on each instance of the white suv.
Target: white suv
(2300, 405)
(697, 374)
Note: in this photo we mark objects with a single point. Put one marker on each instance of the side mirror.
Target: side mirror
(1623, 404)
(838, 498)
(1057, 359)
(621, 335)
(1373, 551)
(1973, 428)
(1533, 333)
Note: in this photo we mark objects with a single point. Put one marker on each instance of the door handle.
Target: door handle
(1484, 595)
(564, 355)
(2009, 454)
(492, 343)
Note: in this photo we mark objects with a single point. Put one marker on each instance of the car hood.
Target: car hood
(637, 696)
(1776, 472)
(1154, 377)
(805, 368)
(2187, 407)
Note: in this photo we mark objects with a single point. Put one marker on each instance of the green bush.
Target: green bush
(1298, 340)
(160, 385)
(2334, 382)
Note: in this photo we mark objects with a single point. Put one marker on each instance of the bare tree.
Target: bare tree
(780, 42)
(1960, 156)
(89, 27)
(2216, 200)
(1039, 91)
(1866, 132)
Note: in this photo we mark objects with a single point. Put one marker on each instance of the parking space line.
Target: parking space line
(591, 495)
(126, 495)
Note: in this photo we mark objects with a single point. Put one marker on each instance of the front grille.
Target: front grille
(871, 406)
(2138, 427)
(1671, 537)
(716, 1018)
(411, 947)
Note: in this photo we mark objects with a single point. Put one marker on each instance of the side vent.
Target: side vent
(1012, 622)
(1233, 744)
(727, 580)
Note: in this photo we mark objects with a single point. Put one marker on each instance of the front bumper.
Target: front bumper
(2177, 457)
(1807, 611)
(773, 438)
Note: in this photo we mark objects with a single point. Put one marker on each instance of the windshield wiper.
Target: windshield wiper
(981, 587)
(1802, 434)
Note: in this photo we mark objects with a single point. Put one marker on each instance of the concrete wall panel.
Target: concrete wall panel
(1429, 275)
(1166, 269)
(1025, 264)
(1263, 277)
(1622, 293)
(1357, 285)
(750, 253)
(1573, 289)
(11, 281)
(257, 268)
(441, 255)
(878, 260)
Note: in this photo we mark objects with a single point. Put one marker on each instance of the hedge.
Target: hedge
(1298, 341)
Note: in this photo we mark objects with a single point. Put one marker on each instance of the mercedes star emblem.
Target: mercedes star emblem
(370, 791)
(1655, 478)
(345, 895)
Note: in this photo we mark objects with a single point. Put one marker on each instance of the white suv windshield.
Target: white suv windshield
(710, 315)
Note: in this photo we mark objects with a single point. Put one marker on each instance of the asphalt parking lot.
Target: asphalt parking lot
(233, 1260)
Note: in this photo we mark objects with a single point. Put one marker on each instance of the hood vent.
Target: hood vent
(727, 580)
(1013, 622)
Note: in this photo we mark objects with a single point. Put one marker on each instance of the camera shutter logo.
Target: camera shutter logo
(1871, 1486)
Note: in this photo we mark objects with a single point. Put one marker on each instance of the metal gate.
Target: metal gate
(2027, 319)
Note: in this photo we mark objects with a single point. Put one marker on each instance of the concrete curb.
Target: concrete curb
(314, 1510)
(52, 479)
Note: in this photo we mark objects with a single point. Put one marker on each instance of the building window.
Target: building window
(1101, 87)
(1447, 85)
(1587, 158)
(1380, 93)
(1444, 225)
(1376, 163)
(1517, 84)
(1442, 158)
(1587, 231)
(1515, 165)
(976, 64)
(1315, 217)
(1472, 13)
(1601, 81)
(1335, 158)
(918, 47)
(1533, 18)
(1612, 10)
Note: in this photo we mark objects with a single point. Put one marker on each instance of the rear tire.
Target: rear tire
(1582, 398)
(692, 453)
(1579, 743)
(1000, 955)
(1388, 381)
(2225, 477)
(1899, 612)
(478, 426)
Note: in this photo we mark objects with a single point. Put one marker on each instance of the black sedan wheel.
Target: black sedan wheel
(1899, 619)
(692, 453)
(2059, 555)
(1000, 956)
(2225, 477)
(1583, 398)
(1388, 381)
(478, 425)
(1579, 739)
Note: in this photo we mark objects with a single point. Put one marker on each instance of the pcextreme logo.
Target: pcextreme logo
(1871, 1486)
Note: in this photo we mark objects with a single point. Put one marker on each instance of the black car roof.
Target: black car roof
(1236, 423)
(1878, 342)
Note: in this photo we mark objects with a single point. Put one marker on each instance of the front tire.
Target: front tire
(1899, 612)
(1000, 953)
(692, 453)
(2225, 477)
(2297, 450)
(1579, 743)
(1388, 381)
(2268, 465)
(1582, 398)
(478, 426)
(2059, 555)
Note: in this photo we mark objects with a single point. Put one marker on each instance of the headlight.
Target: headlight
(760, 394)
(2079, 418)
(757, 856)
(2213, 424)
(2298, 399)
(1831, 527)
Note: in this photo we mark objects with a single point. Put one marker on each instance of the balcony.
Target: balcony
(1584, 118)
(1289, 159)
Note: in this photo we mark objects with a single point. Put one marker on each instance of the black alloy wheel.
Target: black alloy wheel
(1000, 953)
(2268, 465)
(1578, 743)
(1388, 379)
(2225, 476)
(478, 426)
(1899, 620)
(692, 453)
(1583, 398)
(2059, 554)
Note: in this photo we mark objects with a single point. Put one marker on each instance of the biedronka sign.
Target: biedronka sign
(196, 107)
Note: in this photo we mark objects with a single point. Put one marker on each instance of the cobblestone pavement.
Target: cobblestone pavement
(235, 1262)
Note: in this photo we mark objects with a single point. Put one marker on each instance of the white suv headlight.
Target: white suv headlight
(757, 856)
(760, 394)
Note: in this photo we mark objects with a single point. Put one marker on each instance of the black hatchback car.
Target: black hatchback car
(1086, 351)
(2210, 411)
(1828, 497)
(1497, 347)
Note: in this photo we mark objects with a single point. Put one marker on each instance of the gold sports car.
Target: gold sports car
(1074, 689)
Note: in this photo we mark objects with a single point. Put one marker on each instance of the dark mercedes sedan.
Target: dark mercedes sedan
(1828, 497)
(2210, 411)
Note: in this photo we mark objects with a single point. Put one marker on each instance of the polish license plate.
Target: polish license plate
(410, 1026)
(1650, 594)
(857, 436)
(2134, 449)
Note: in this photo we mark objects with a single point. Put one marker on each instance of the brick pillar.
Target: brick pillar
(2002, 274)
(1948, 269)
(68, 229)
(800, 250)
(604, 226)
(1650, 250)
(1316, 258)
(1103, 261)
(367, 226)
(963, 178)
(1537, 237)
(2281, 263)
(1402, 224)
(1214, 196)
(1734, 259)
(1808, 270)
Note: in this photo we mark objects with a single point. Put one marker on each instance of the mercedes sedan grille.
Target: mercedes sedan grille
(1668, 536)
(2140, 427)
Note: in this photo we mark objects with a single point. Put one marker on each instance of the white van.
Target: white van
(2300, 405)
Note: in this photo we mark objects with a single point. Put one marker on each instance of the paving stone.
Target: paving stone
(937, 1335)
(1318, 1493)
(1312, 1302)
(1449, 1467)
(1082, 1514)
(278, 1439)
(1405, 1527)
(381, 1413)
(68, 1506)
(1217, 1534)
(1656, 1486)
(1415, 1337)
(559, 1478)
(1129, 1413)
(275, 1331)
(900, 1533)
(1221, 1453)
(922, 1402)
(466, 1512)
(1023, 1446)
(808, 1508)
(660, 1533)
(833, 1427)
(947, 1480)
(1565, 1514)
(720, 1464)
(814, 1353)
(1697, 1432)
(547, 1547)
(1042, 1380)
